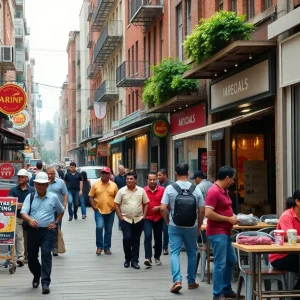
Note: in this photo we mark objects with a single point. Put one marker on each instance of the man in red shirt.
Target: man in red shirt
(153, 221)
(218, 211)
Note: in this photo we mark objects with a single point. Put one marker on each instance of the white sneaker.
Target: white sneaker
(148, 263)
(157, 261)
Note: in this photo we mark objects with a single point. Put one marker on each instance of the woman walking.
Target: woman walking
(86, 186)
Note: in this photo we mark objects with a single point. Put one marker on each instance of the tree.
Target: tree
(49, 156)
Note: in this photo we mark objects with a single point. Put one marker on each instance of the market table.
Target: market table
(259, 225)
(257, 251)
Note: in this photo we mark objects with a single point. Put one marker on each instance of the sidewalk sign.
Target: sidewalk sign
(8, 211)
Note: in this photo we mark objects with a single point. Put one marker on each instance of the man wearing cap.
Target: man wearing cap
(202, 183)
(41, 232)
(101, 196)
(20, 191)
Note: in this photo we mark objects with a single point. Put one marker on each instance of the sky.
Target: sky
(50, 22)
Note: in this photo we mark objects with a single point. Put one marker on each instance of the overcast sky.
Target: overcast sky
(50, 22)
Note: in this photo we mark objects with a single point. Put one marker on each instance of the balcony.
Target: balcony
(19, 65)
(135, 115)
(19, 2)
(106, 91)
(132, 73)
(90, 13)
(19, 33)
(92, 71)
(86, 133)
(78, 82)
(101, 12)
(89, 40)
(98, 130)
(78, 57)
(144, 12)
(27, 50)
(90, 105)
(109, 39)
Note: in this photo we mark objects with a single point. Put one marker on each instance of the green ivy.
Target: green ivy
(215, 33)
(167, 82)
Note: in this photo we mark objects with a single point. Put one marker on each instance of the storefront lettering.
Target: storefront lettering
(235, 88)
(187, 120)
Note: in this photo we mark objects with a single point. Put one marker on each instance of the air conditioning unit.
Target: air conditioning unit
(6, 54)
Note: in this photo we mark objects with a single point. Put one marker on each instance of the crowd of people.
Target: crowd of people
(172, 212)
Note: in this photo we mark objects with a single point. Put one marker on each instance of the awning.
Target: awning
(84, 142)
(237, 53)
(76, 148)
(223, 124)
(13, 136)
(122, 139)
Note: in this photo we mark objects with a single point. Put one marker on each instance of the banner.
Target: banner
(8, 211)
(100, 110)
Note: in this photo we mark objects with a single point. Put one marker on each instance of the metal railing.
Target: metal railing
(106, 88)
(131, 117)
(90, 13)
(98, 130)
(90, 104)
(89, 40)
(137, 4)
(91, 71)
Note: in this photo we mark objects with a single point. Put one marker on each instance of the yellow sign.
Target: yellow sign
(21, 120)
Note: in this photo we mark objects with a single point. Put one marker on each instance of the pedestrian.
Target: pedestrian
(86, 186)
(58, 187)
(220, 219)
(73, 182)
(185, 219)
(27, 168)
(112, 176)
(164, 182)
(39, 168)
(60, 173)
(21, 191)
(38, 212)
(102, 195)
(153, 221)
(131, 205)
(202, 183)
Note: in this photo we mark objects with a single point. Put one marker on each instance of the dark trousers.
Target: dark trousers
(157, 231)
(166, 236)
(40, 238)
(131, 240)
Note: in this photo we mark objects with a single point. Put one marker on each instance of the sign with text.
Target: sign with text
(188, 119)
(103, 150)
(160, 128)
(13, 146)
(9, 171)
(217, 135)
(8, 210)
(21, 120)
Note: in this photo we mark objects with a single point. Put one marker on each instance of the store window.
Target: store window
(297, 136)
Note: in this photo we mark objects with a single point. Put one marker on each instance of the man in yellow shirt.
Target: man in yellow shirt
(101, 196)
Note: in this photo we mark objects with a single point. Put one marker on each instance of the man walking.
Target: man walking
(73, 182)
(202, 183)
(60, 173)
(153, 220)
(101, 196)
(129, 203)
(39, 168)
(38, 212)
(218, 210)
(20, 191)
(58, 187)
(175, 196)
(164, 182)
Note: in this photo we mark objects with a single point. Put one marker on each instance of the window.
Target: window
(132, 61)
(136, 100)
(136, 57)
(132, 102)
(128, 104)
(154, 45)
(179, 32)
(145, 55)
(161, 33)
(250, 9)
(221, 5)
(268, 3)
(149, 52)
(188, 17)
(233, 5)
(129, 11)
(129, 66)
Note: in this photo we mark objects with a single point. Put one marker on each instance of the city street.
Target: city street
(80, 274)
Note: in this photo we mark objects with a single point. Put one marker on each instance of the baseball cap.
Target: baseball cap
(22, 172)
(41, 177)
(198, 174)
(105, 170)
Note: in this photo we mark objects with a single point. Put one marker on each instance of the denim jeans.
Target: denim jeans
(82, 199)
(224, 260)
(73, 200)
(104, 221)
(188, 236)
(150, 225)
(166, 236)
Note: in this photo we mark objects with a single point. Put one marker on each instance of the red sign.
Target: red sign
(161, 128)
(102, 150)
(188, 119)
(7, 171)
(13, 99)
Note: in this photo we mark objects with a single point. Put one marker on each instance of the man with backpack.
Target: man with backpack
(184, 219)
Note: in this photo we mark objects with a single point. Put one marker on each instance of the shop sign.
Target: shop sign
(103, 150)
(13, 146)
(7, 171)
(160, 128)
(217, 135)
(92, 152)
(20, 120)
(13, 99)
(247, 84)
(188, 119)
(8, 211)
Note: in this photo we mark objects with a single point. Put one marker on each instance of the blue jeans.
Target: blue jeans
(104, 221)
(166, 236)
(82, 199)
(224, 260)
(73, 200)
(188, 236)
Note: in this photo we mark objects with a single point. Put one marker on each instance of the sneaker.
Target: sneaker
(165, 252)
(176, 287)
(83, 217)
(232, 295)
(157, 261)
(148, 263)
(75, 216)
(107, 252)
(45, 289)
(54, 252)
(193, 286)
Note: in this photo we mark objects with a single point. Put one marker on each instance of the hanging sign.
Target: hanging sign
(8, 211)
(21, 120)
(7, 171)
(13, 99)
(160, 128)
(103, 150)
(100, 110)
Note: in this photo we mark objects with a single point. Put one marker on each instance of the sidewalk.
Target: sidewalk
(81, 274)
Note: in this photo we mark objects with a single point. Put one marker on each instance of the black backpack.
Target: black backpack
(185, 207)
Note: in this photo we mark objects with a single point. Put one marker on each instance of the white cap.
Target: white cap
(22, 172)
(41, 177)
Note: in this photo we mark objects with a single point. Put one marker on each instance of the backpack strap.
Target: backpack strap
(192, 188)
(31, 200)
(177, 188)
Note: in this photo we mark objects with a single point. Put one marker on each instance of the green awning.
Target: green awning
(118, 140)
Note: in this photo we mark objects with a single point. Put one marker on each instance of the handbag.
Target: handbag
(25, 224)
(60, 242)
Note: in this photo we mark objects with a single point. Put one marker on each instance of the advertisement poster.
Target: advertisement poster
(8, 213)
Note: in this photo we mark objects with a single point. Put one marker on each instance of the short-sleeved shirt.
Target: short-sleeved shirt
(165, 184)
(288, 220)
(104, 195)
(73, 181)
(120, 181)
(42, 210)
(20, 194)
(131, 203)
(220, 202)
(170, 195)
(154, 200)
(59, 188)
(204, 186)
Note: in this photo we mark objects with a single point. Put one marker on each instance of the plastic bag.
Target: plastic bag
(248, 220)
(60, 243)
(271, 221)
(254, 240)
